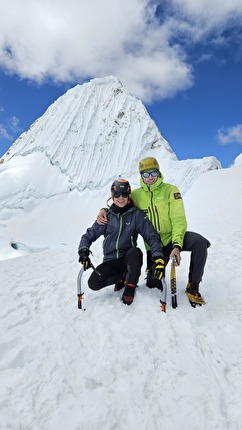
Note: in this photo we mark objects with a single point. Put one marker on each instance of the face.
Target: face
(121, 201)
(151, 179)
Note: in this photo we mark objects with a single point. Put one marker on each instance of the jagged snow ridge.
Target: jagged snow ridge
(185, 172)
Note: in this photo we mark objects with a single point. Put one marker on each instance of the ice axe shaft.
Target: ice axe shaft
(79, 286)
(79, 289)
(164, 296)
(173, 282)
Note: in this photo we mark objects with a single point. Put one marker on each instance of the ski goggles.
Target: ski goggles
(124, 195)
(154, 174)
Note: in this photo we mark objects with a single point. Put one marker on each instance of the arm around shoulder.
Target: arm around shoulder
(102, 216)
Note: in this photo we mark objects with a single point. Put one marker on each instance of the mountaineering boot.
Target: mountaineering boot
(128, 294)
(119, 285)
(192, 292)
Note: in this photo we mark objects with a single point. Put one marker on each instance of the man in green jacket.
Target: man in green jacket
(164, 207)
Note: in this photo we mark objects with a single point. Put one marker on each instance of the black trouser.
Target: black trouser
(127, 268)
(195, 243)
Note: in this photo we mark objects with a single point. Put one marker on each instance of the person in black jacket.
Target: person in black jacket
(122, 259)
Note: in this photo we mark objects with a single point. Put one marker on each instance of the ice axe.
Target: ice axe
(79, 286)
(173, 282)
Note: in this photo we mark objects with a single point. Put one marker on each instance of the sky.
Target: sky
(114, 366)
(182, 58)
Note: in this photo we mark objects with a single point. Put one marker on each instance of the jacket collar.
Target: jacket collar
(121, 211)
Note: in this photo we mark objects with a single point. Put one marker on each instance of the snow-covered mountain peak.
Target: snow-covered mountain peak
(89, 126)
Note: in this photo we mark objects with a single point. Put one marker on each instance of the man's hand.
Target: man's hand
(176, 252)
(84, 258)
(159, 268)
(102, 217)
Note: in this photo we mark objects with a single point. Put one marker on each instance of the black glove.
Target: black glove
(159, 268)
(84, 258)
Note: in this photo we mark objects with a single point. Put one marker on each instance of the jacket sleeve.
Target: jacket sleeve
(147, 231)
(92, 234)
(177, 217)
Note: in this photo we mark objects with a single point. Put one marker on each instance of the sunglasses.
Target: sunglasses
(124, 195)
(154, 174)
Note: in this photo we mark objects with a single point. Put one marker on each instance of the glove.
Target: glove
(159, 268)
(84, 258)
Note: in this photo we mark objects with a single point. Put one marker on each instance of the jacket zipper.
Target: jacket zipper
(153, 211)
(158, 219)
(154, 215)
(119, 233)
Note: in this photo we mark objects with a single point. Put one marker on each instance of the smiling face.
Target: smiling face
(120, 192)
(150, 177)
(121, 201)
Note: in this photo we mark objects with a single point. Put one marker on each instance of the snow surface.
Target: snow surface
(114, 367)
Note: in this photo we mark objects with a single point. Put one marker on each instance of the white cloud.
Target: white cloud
(210, 14)
(14, 124)
(76, 40)
(4, 133)
(11, 125)
(230, 135)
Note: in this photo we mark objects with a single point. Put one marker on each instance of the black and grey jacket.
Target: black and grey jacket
(121, 232)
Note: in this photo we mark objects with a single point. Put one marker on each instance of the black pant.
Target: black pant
(127, 268)
(195, 243)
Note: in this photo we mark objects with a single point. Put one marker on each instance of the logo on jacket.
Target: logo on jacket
(177, 196)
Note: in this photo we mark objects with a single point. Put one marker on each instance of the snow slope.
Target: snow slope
(114, 367)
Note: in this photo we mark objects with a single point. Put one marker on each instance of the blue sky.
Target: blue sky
(183, 59)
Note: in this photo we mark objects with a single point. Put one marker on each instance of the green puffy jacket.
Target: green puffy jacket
(164, 206)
